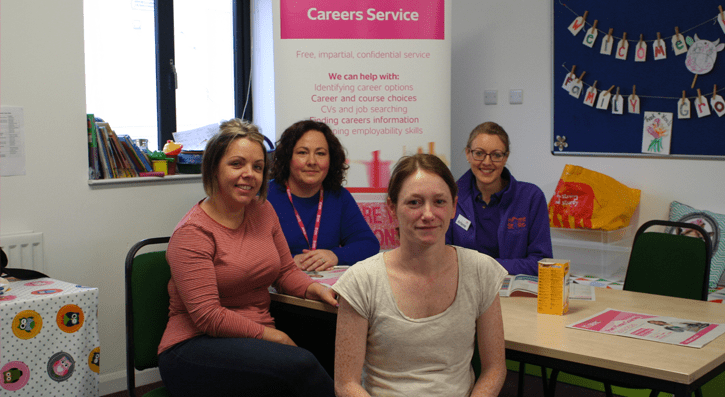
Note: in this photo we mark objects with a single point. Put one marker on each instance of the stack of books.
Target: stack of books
(113, 156)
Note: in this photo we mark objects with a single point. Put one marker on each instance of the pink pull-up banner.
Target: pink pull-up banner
(333, 19)
(378, 72)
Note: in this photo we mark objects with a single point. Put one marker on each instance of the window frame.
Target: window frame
(166, 74)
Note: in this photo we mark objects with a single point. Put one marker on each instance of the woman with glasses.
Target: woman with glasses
(496, 214)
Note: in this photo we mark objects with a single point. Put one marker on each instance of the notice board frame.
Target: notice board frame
(659, 84)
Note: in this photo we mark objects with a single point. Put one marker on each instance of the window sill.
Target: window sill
(154, 180)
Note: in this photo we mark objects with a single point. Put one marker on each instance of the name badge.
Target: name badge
(463, 222)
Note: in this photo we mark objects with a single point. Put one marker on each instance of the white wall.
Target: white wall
(507, 45)
(496, 45)
(87, 231)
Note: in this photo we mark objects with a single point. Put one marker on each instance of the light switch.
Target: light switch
(490, 97)
(516, 97)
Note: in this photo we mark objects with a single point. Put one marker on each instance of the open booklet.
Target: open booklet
(527, 285)
(520, 285)
(671, 330)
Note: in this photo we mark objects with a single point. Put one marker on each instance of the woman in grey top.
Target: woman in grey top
(409, 318)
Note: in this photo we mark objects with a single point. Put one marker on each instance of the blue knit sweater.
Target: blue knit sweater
(343, 229)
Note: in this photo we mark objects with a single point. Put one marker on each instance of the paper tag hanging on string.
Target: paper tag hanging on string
(576, 87)
(657, 132)
(578, 23)
(622, 48)
(570, 78)
(633, 102)
(591, 95)
(640, 52)
(683, 107)
(678, 43)
(717, 103)
(604, 97)
(617, 103)
(658, 48)
(721, 19)
(607, 43)
(701, 105)
(591, 35)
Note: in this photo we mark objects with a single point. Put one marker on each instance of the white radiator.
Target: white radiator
(24, 250)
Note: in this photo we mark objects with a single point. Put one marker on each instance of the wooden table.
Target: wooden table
(543, 339)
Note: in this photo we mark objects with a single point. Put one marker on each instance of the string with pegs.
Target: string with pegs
(699, 96)
(714, 91)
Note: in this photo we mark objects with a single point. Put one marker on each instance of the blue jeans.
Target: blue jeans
(208, 366)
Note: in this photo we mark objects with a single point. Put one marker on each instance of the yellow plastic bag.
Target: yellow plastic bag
(586, 199)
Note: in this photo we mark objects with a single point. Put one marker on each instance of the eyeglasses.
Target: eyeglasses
(497, 156)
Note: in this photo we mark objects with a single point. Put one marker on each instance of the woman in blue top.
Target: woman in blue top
(321, 221)
(496, 214)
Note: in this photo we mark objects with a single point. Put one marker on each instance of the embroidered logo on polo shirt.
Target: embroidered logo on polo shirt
(516, 223)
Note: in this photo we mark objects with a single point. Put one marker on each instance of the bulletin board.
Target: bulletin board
(579, 129)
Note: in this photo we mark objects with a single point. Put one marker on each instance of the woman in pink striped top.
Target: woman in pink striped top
(224, 254)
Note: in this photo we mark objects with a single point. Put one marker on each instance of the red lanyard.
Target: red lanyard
(302, 225)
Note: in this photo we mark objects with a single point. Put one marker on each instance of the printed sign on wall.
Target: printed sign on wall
(376, 71)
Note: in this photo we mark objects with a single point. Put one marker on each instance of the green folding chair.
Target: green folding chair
(674, 263)
(147, 310)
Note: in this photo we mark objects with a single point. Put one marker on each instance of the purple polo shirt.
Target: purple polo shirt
(488, 219)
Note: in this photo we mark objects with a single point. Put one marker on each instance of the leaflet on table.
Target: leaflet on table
(670, 330)
(527, 285)
(328, 277)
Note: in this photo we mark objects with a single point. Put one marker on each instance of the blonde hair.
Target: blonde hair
(489, 128)
(216, 147)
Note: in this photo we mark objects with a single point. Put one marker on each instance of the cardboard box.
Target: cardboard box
(553, 286)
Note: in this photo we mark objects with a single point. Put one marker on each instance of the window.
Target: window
(154, 68)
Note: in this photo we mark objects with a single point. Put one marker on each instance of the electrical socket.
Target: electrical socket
(516, 97)
(490, 97)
